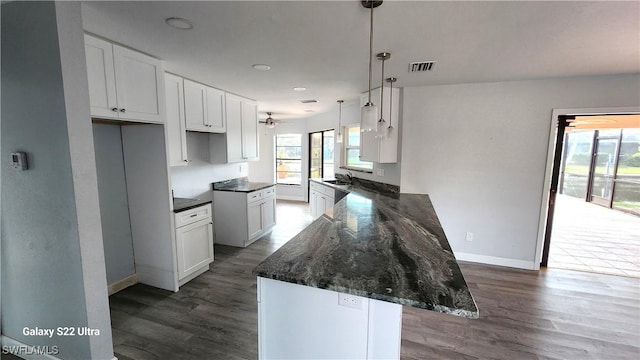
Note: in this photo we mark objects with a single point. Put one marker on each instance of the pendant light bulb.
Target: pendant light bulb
(339, 136)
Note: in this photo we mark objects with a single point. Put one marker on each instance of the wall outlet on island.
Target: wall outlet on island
(351, 301)
(469, 236)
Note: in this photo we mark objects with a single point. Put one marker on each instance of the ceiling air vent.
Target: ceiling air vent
(421, 66)
(308, 101)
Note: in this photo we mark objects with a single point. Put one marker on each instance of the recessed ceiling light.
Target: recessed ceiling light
(310, 101)
(179, 23)
(261, 67)
(309, 110)
(299, 88)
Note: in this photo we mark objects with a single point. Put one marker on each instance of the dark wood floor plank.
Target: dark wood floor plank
(551, 314)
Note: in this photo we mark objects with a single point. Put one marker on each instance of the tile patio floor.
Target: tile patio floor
(588, 237)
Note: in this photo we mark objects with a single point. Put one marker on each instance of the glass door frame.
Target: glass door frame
(322, 159)
(607, 202)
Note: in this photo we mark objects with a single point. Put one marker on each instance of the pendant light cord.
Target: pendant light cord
(370, 48)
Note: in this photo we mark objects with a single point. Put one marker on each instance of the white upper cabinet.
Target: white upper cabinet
(123, 84)
(382, 147)
(204, 108)
(176, 134)
(241, 141)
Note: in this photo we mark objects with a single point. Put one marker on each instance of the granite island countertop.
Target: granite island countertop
(240, 185)
(377, 244)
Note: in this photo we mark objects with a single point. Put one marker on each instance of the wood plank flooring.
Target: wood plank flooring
(552, 314)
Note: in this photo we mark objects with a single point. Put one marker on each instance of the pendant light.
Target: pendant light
(382, 56)
(369, 112)
(390, 128)
(339, 136)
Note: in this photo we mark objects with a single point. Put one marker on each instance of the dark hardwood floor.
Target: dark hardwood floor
(552, 314)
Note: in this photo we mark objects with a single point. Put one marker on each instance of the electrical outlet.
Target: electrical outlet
(469, 236)
(351, 301)
(380, 172)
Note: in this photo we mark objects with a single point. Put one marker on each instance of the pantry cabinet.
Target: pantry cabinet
(123, 84)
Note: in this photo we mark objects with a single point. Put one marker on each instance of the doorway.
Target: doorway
(321, 154)
(592, 217)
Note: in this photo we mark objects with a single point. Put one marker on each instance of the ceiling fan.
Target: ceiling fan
(269, 121)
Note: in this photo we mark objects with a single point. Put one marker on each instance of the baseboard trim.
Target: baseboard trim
(492, 260)
(24, 351)
(122, 284)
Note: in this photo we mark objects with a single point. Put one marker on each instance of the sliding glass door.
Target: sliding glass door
(321, 154)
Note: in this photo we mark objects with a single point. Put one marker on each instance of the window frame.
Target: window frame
(346, 147)
(277, 159)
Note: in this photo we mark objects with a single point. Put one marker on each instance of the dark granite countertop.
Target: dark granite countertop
(182, 204)
(240, 185)
(377, 244)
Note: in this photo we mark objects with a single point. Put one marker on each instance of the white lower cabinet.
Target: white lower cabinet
(321, 199)
(246, 216)
(194, 242)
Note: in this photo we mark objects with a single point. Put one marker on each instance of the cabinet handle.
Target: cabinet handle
(114, 109)
(123, 110)
(194, 215)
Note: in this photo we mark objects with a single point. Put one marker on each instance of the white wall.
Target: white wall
(351, 115)
(479, 151)
(195, 179)
(52, 258)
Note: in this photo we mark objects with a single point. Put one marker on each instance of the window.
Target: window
(352, 150)
(289, 159)
(321, 159)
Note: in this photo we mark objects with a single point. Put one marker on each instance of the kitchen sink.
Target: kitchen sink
(336, 182)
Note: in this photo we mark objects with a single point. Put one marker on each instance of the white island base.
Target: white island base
(302, 322)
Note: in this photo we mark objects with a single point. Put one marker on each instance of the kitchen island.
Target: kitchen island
(337, 288)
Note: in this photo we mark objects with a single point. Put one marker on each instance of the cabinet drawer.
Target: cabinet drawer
(192, 215)
(254, 196)
(269, 192)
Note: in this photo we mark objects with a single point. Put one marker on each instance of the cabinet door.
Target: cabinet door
(233, 105)
(139, 85)
(176, 134)
(269, 212)
(254, 220)
(101, 75)
(215, 110)
(195, 106)
(321, 207)
(312, 203)
(194, 247)
(249, 130)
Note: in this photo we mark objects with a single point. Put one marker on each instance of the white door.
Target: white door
(176, 134)
(215, 110)
(194, 247)
(269, 212)
(139, 81)
(233, 105)
(101, 75)
(254, 214)
(195, 106)
(250, 130)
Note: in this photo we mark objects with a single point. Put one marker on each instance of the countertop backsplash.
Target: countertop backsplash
(195, 179)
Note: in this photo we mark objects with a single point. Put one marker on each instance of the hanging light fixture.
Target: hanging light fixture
(390, 128)
(369, 112)
(339, 136)
(382, 56)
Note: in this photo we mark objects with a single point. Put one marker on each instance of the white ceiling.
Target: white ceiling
(323, 45)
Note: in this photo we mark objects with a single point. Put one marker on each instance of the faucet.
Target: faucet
(350, 176)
